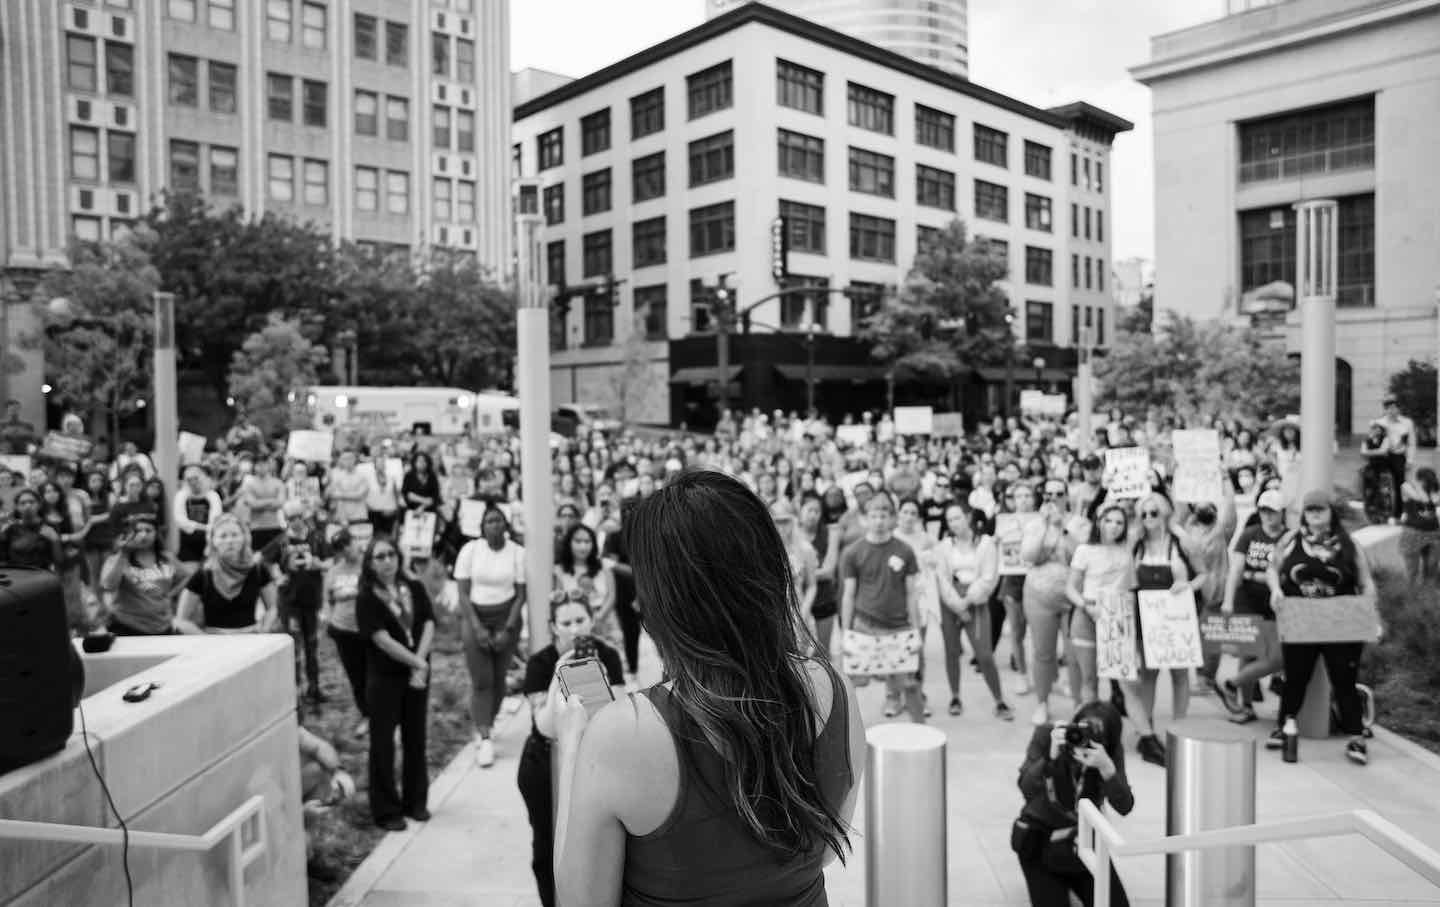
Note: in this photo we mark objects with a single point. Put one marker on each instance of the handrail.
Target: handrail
(230, 830)
(1098, 842)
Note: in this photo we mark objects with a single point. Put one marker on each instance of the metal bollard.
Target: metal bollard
(1210, 784)
(1314, 717)
(905, 815)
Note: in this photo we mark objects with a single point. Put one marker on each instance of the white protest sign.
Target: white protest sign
(192, 448)
(914, 420)
(948, 425)
(1010, 532)
(853, 435)
(1117, 649)
(471, 512)
(1127, 471)
(417, 535)
(1197, 465)
(17, 463)
(866, 655)
(310, 445)
(1170, 629)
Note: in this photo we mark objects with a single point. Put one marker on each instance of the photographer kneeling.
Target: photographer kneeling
(1064, 763)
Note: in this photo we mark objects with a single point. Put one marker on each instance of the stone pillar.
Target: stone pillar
(532, 385)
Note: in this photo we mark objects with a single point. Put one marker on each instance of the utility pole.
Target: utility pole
(721, 311)
(167, 411)
(1084, 393)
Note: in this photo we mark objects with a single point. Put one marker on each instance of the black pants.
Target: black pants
(394, 703)
(533, 779)
(1396, 464)
(997, 620)
(1049, 887)
(351, 649)
(303, 625)
(1342, 664)
(629, 617)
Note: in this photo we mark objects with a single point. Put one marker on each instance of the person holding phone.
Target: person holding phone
(571, 626)
(143, 580)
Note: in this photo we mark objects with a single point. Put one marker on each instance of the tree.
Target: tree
(633, 384)
(1414, 389)
(1198, 371)
(274, 363)
(97, 331)
(1141, 318)
(948, 315)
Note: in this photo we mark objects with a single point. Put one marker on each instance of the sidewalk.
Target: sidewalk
(476, 849)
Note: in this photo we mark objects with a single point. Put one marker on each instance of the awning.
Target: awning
(704, 375)
(855, 373)
(1023, 373)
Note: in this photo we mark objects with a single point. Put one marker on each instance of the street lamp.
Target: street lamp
(1039, 363)
(1009, 362)
(809, 328)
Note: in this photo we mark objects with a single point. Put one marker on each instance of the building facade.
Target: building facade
(383, 121)
(1286, 102)
(663, 176)
(933, 32)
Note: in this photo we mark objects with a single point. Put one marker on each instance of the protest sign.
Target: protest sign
(192, 448)
(471, 512)
(1010, 531)
(395, 470)
(1339, 618)
(65, 447)
(947, 425)
(1117, 650)
(1234, 634)
(866, 655)
(1197, 465)
(1127, 472)
(853, 435)
(310, 445)
(914, 420)
(16, 463)
(417, 535)
(1169, 630)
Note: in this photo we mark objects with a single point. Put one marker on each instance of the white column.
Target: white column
(1085, 393)
(167, 413)
(532, 383)
(1315, 268)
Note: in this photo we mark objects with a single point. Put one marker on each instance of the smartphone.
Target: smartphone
(586, 678)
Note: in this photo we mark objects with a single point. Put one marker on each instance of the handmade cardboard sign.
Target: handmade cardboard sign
(1169, 630)
(1340, 618)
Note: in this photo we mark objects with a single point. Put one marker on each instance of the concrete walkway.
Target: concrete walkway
(476, 849)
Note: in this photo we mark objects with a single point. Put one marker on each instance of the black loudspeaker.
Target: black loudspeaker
(41, 676)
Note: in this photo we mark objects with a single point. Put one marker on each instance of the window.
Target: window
(595, 132)
(710, 90)
(1037, 160)
(222, 16)
(926, 236)
(397, 119)
(280, 97)
(712, 229)
(648, 242)
(86, 229)
(870, 109)
(366, 47)
(1074, 170)
(465, 201)
(650, 311)
(647, 113)
(1356, 242)
(1089, 281)
(465, 130)
(1039, 267)
(865, 300)
(1000, 249)
(184, 166)
(1336, 137)
(119, 156)
(799, 87)
(802, 156)
(440, 54)
(596, 254)
(595, 192)
(1075, 271)
(440, 126)
(82, 74)
(397, 44)
(806, 224)
(1099, 276)
(441, 192)
(1267, 248)
(1085, 169)
(367, 189)
(991, 146)
(1099, 177)
(1099, 327)
(797, 308)
(647, 177)
(1037, 213)
(184, 81)
(1075, 335)
(992, 201)
(934, 128)
(315, 96)
(553, 199)
(517, 161)
(550, 148)
(872, 238)
(872, 172)
(397, 192)
(278, 20)
(119, 69)
(222, 87)
(317, 182)
(599, 317)
(934, 188)
(1039, 322)
(464, 60)
(712, 158)
(84, 153)
(312, 26)
(1074, 220)
(183, 10)
(1087, 222)
(367, 113)
(1099, 225)
(555, 263)
(224, 171)
(280, 177)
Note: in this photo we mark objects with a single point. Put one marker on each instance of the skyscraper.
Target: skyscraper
(934, 32)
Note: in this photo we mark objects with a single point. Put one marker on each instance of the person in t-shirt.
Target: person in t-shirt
(224, 592)
(299, 556)
(16, 435)
(142, 579)
(879, 595)
(1247, 591)
(195, 509)
(348, 492)
(262, 495)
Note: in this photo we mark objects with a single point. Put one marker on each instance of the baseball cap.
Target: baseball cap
(1091, 462)
(1270, 500)
(1317, 499)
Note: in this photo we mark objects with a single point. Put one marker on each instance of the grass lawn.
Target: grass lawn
(342, 838)
(1404, 669)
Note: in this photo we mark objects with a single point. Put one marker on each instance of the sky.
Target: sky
(1043, 52)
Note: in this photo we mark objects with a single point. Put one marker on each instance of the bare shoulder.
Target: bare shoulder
(638, 758)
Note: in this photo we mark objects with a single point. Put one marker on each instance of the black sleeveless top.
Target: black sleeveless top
(1317, 573)
(704, 853)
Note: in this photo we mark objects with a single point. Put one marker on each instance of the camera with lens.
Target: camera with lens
(585, 647)
(1084, 732)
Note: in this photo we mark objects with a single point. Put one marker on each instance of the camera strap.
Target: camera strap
(1068, 813)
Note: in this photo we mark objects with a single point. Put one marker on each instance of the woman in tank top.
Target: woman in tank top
(675, 795)
(1420, 538)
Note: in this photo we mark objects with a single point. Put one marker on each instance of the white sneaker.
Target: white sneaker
(485, 754)
(1022, 686)
(1041, 716)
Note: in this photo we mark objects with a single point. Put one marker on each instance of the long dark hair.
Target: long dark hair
(1425, 478)
(566, 558)
(369, 582)
(730, 642)
(1109, 718)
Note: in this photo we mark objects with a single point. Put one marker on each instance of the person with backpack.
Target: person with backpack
(300, 557)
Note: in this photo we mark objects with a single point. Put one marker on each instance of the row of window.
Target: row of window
(283, 173)
(118, 165)
(457, 64)
(1093, 270)
(82, 66)
(453, 200)
(183, 87)
(1083, 174)
(367, 40)
(1040, 322)
(218, 13)
(1095, 216)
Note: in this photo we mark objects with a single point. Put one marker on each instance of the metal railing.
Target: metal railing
(231, 830)
(1294, 165)
(1099, 842)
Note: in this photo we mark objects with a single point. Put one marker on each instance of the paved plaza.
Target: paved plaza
(476, 849)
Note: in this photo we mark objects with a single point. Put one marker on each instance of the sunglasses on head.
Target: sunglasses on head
(1149, 513)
